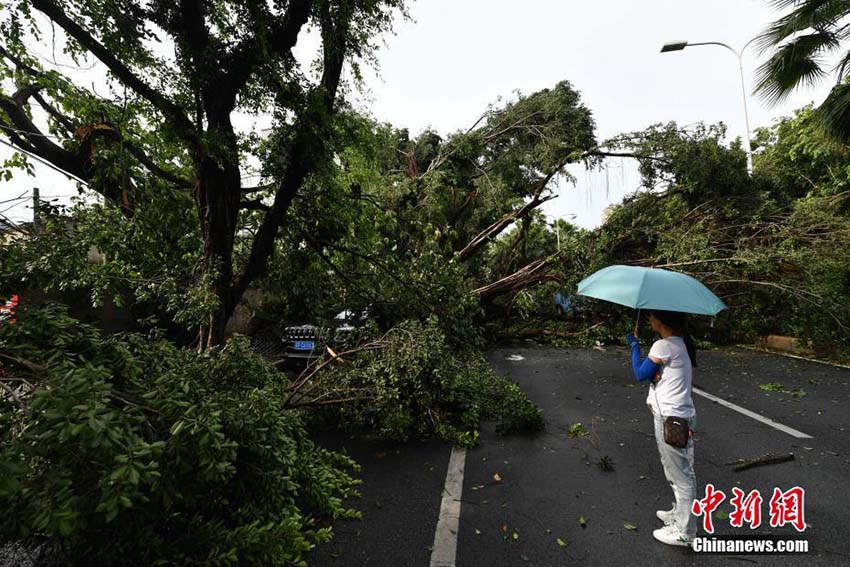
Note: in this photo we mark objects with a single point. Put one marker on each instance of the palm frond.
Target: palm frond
(821, 15)
(793, 64)
(842, 68)
(834, 113)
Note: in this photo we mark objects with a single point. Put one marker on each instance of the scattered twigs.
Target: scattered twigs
(312, 371)
(802, 294)
(327, 399)
(12, 393)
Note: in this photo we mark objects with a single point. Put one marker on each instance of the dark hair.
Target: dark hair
(678, 322)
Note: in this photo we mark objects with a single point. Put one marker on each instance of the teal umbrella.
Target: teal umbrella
(651, 288)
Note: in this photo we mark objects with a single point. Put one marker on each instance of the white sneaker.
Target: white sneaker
(667, 516)
(672, 536)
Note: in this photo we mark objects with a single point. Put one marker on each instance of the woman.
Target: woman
(669, 369)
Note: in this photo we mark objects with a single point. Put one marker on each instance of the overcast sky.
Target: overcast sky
(444, 67)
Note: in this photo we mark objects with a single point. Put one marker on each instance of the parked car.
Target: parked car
(308, 342)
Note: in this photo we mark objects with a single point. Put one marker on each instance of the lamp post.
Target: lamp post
(680, 45)
(558, 227)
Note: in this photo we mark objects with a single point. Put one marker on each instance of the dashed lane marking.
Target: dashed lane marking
(444, 550)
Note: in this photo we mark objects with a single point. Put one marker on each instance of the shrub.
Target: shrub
(126, 450)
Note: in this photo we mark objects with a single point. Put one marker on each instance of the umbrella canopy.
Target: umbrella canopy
(651, 288)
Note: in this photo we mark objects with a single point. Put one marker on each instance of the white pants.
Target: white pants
(679, 470)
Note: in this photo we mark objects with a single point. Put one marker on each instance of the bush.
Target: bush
(419, 385)
(126, 450)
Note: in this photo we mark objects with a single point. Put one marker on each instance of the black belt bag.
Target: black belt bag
(676, 432)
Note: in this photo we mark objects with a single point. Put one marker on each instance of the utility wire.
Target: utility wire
(21, 197)
(45, 162)
(28, 133)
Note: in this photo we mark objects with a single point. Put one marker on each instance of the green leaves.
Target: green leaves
(800, 42)
(774, 244)
(577, 430)
(128, 438)
(418, 383)
(778, 387)
(177, 427)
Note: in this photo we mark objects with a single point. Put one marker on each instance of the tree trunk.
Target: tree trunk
(218, 208)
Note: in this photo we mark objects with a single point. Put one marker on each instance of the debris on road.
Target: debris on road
(767, 459)
(606, 463)
(577, 430)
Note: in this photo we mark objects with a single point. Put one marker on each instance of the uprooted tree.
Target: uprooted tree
(178, 75)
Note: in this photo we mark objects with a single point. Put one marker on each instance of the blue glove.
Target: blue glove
(644, 369)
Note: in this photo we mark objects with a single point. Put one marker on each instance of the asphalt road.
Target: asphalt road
(549, 481)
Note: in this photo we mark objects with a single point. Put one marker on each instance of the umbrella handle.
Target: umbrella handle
(637, 322)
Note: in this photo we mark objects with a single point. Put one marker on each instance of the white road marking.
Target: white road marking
(788, 355)
(758, 417)
(444, 550)
(515, 357)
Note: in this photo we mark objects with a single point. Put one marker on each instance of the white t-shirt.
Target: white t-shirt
(673, 391)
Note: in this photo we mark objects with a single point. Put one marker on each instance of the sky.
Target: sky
(443, 67)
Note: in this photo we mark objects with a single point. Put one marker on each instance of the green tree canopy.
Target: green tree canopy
(179, 73)
(799, 44)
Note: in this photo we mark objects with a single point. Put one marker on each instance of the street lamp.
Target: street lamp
(680, 45)
(558, 227)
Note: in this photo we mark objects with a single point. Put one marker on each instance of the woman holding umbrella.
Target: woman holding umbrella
(669, 369)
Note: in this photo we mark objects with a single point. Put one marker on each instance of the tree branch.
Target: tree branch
(29, 138)
(334, 46)
(244, 59)
(500, 225)
(308, 148)
(535, 272)
(171, 111)
(36, 142)
(63, 120)
(146, 161)
(600, 153)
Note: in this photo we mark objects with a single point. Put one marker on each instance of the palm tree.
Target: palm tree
(800, 42)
